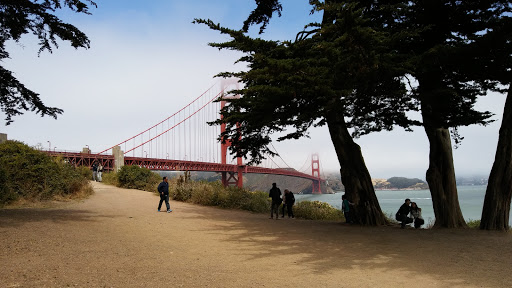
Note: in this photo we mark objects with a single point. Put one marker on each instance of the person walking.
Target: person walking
(289, 201)
(163, 190)
(275, 194)
(95, 171)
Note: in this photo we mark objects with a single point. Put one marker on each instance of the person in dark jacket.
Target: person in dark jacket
(95, 171)
(403, 212)
(163, 190)
(289, 200)
(275, 194)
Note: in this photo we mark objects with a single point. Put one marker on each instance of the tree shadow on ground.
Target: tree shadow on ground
(324, 246)
(19, 217)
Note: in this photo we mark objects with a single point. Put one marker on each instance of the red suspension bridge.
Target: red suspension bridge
(185, 142)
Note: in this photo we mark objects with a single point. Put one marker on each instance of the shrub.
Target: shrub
(110, 178)
(183, 192)
(214, 194)
(85, 171)
(135, 177)
(474, 224)
(258, 202)
(203, 194)
(316, 210)
(26, 173)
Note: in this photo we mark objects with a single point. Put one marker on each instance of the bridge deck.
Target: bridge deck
(107, 161)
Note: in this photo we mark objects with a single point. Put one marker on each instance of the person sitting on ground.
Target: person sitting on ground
(416, 215)
(403, 212)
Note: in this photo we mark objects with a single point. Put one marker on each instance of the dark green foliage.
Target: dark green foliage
(342, 73)
(19, 17)
(135, 177)
(344, 67)
(455, 50)
(262, 13)
(450, 57)
(26, 173)
(85, 171)
(401, 182)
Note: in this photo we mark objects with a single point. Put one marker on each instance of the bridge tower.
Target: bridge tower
(235, 177)
(315, 171)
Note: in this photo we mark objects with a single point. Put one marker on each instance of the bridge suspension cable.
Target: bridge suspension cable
(184, 135)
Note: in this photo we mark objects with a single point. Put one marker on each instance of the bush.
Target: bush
(316, 210)
(474, 224)
(135, 177)
(214, 194)
(110, 178)
(85, 171)
(29, 174)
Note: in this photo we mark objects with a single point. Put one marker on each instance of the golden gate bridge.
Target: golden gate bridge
(185, 142)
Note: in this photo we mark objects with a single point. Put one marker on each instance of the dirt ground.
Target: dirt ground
(116, 238)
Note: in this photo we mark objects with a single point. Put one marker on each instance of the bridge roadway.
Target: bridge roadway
(107, 161)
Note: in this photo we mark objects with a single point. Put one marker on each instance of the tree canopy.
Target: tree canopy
(349, 72)
(20, 17)
(338, 73)
(293, 85)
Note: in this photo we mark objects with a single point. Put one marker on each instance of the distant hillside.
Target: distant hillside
(263, 182)
(397, 183)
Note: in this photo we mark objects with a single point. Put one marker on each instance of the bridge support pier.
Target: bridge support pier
(315, 171)
(234, 178)
(118, 158)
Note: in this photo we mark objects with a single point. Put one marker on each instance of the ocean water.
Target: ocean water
(471, 200)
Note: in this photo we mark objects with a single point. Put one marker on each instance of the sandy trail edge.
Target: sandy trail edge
(117, 239)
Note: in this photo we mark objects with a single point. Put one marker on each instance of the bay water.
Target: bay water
(471, 200)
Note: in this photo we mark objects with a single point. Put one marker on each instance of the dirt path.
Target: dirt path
(117, 239)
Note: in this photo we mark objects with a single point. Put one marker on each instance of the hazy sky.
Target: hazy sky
(147, 60)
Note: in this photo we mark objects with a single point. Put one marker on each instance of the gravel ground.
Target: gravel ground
(116, 238)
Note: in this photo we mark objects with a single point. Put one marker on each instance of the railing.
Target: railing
(107, 161)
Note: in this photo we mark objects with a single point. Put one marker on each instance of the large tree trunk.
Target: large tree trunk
(495, 213)
(354, 174)
(441, 173)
